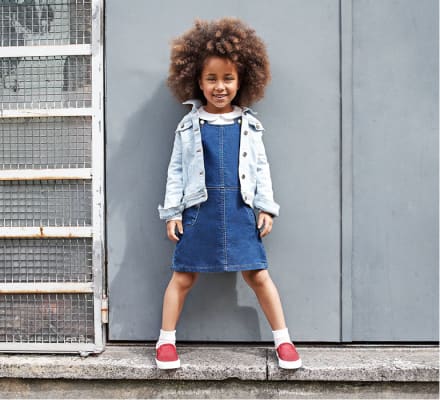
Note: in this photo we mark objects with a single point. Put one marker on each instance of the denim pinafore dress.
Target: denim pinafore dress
(220, 234)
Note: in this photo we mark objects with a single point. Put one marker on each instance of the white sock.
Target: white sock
(166, 337)
(281, 336)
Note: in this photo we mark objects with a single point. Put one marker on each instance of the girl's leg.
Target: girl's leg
(268, 297)
(174, 297)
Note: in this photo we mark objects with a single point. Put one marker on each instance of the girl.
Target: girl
(219, 174)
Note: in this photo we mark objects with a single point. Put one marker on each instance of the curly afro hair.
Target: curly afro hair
(230, 38)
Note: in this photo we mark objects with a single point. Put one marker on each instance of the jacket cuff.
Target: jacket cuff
(170, 212)
(268, 206)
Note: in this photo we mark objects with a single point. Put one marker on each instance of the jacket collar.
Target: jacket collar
(249, 110)
(195, 104)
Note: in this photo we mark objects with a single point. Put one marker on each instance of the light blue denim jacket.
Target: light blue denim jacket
(186, 171)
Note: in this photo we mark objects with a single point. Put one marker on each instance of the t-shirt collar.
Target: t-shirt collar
(235, 113)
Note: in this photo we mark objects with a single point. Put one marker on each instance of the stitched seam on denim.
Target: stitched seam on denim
(218, 266)
(223, 197)
(248, 267)
(239, 152)
(223, 270)
(221, 157)
(223, 187)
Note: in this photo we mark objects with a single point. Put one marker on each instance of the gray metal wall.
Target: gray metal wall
(395, 170)
(325, 296)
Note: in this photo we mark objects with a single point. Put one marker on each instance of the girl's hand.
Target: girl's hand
(266, 220)
(171, 229)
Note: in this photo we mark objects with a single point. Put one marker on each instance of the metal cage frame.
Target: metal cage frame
(95, 175)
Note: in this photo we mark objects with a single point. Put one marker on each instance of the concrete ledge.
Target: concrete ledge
(133, 362)
(339, 363)
(227, 389)
(363, 363)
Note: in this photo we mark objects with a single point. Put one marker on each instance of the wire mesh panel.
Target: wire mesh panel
(27, 23)
(46, 203)
(47, 318)
(55, 142)
(46, 260)
(51, 194)
(45, 82)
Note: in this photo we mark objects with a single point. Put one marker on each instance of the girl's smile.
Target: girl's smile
(219, 84)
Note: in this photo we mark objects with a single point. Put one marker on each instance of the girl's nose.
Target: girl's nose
(220, 86)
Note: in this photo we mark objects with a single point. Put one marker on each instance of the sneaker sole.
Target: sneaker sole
(289, 364)
(167, 364)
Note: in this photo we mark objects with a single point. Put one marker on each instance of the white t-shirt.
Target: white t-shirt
(220, 119)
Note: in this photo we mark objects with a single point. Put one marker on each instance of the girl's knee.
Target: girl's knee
(256, 278)
(185, 280)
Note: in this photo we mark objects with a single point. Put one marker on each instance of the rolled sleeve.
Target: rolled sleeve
(173, 206)
(264, 193)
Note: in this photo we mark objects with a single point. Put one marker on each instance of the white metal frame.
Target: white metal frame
(95, 174)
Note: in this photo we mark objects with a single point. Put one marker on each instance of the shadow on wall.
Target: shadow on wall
(139, 252)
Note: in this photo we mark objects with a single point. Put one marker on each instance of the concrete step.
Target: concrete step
(221, 371)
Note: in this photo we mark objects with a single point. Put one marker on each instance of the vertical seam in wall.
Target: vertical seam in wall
(340, 180)
(346, 165)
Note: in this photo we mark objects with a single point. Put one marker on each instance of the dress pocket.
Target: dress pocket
(190, 215)
(251, 215)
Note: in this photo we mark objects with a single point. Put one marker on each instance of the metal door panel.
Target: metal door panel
(395, 171)
(301, 115)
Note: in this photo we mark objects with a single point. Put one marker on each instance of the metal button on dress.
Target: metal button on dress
(202, 121)
(258, 126)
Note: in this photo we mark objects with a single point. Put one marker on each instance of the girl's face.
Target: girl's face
(219, 84)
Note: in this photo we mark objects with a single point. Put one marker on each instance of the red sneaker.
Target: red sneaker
(166, 357)
(288, 357)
